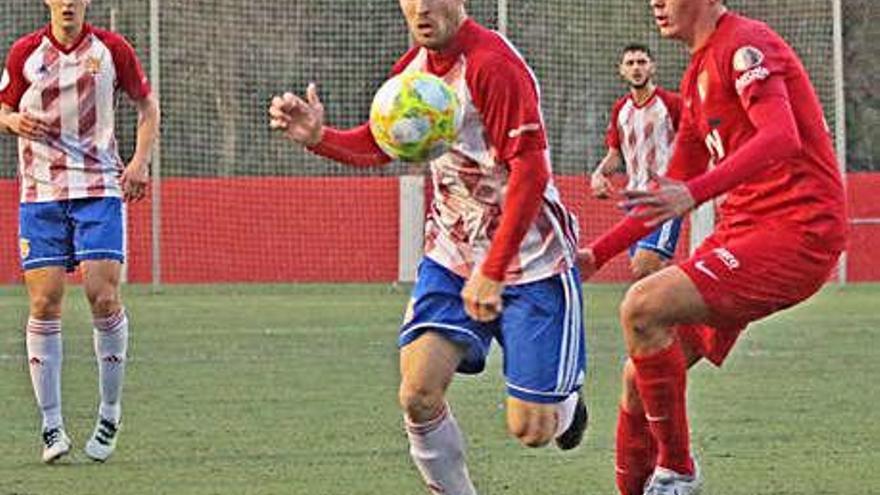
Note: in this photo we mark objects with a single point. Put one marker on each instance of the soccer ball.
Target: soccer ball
(415, 117)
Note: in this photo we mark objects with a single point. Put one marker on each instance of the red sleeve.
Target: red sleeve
(130, 74)
(776, 138)
(612, 133)
(12, 82)
(673, 105)
(354, 147)
(689, 156)
(529, 174)
(506, 95)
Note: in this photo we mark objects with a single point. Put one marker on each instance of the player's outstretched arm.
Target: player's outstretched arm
(302, 122)
(136, 175)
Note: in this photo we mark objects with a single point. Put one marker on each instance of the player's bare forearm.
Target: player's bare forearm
(610, 162)
(149, 117)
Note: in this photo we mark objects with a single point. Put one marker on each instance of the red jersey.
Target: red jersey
(74, 90)
(738, 66)
(644, 134)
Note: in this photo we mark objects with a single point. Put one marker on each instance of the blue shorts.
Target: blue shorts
(662, 241)
(63, 233)
(541, 330)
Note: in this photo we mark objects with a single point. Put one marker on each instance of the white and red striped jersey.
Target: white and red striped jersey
(502, 119)
(644, 134)
(72, 89)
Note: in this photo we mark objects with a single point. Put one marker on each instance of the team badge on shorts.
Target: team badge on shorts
(24, 248)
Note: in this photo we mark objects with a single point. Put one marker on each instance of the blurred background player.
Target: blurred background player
(641, 132)
(499, 249)
(58, 96)
(752, 128)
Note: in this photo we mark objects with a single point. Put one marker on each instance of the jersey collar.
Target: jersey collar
(86, 30)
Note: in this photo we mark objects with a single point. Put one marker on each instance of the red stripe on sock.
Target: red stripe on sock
(661, 379)
(43, 327)
(430, 425)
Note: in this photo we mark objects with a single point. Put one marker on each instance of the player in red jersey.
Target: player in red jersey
(753, 130)
(500, 246)
(640, 133)
(58, 95)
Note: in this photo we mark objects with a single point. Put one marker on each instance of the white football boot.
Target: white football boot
(56, 444)
(103, 440)
(667, 482)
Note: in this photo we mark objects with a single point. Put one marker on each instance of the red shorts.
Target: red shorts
(748, 276)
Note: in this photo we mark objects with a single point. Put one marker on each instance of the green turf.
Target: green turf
(292, 390)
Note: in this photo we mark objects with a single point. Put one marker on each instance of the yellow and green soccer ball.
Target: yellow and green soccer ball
(415, 117)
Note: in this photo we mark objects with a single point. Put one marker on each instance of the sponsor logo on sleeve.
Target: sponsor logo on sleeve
(748, 60)
(4, 80)
(747, 57)
(749, 77)
(515, 133)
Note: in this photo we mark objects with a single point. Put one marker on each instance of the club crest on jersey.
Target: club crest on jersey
(24, 248)
(93, 65)
(4, 80)
(747, 57)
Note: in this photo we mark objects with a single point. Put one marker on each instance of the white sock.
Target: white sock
(111, 345)
(437, 448)
(565, 413)
(44, 358)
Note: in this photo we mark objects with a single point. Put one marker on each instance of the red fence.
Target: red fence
(341, 229)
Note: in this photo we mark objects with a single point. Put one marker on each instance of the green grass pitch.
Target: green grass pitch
(292, 390)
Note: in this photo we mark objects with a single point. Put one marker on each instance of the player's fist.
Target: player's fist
(482, 297)
(134, 180)
(601, 185)
(301, 121)
(586, 262)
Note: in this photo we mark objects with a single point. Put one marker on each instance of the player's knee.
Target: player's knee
(532, 430)
(104, 302)
(419, 403)
(636, 309)
(46, 306)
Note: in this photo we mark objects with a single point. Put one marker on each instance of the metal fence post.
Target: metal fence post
(156, 194)
(839, 112)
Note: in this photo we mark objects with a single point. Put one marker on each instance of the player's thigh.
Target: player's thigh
(665, 298)
(101, 284)
(45, 288)
(542, 333)
(99, 229)
(436, 307)
(427, 366)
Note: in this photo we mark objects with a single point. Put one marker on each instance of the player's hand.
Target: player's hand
(301, 121)
(601, 186)
(26, 125)
(586, 262)
(134, 181)
(668, 200)
(482, 297)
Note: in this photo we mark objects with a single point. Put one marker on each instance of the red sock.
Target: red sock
(636, 452)
(662, 380)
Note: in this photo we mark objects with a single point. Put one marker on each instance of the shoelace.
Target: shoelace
(51, 437)
(105, 431)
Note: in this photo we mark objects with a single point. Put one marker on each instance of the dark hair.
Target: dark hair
(637, 47)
